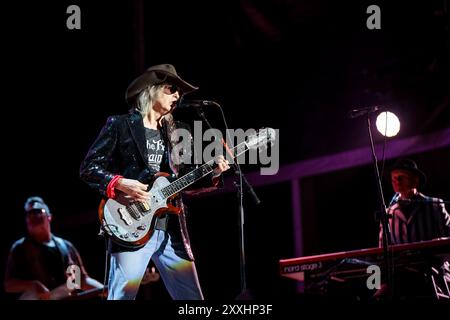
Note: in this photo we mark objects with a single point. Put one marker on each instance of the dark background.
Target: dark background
(297, 66)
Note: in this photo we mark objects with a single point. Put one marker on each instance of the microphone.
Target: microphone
(355, 113)
(196, 103)
(394, 199)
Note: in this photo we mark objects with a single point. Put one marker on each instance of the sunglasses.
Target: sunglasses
(172, 88)
(37, 218)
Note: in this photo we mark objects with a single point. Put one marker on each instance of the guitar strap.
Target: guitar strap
(62, 247)
(169, 127)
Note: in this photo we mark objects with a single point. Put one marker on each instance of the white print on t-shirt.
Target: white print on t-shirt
(154, 158)
(156, 151)
(155, 144)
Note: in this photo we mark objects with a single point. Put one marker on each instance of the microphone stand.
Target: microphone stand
(244, 294)
(383, 216)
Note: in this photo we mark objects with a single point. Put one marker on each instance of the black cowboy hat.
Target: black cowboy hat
(158, 74)
(410, 166)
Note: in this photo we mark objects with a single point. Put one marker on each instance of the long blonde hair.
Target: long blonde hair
(143, 104)
(145, 99)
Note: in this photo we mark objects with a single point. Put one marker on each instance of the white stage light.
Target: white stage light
(388, 124)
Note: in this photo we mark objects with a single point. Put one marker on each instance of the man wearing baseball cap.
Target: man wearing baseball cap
(38, 263)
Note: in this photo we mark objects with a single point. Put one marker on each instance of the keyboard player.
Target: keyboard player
(415, 217)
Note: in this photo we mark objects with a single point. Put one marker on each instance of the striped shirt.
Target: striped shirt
(423, 218)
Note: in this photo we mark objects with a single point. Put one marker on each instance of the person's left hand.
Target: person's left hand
(222, 165)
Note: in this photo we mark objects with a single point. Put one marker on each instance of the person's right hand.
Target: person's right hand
(134, 189)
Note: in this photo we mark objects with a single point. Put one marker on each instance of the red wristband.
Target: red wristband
(110, 192)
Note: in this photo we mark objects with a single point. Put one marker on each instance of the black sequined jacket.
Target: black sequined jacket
(120, 148)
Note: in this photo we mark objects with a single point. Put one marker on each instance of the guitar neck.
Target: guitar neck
(196, 174)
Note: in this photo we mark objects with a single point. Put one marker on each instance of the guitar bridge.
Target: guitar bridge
(125, 216)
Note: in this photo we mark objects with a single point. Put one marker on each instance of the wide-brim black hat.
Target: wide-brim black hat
(158, 74)
(411, 166)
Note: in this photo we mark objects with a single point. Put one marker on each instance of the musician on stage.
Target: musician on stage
(37, 263)
(415, 217)
(126, 155)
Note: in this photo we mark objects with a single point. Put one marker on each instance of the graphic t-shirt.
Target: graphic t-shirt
(155, 146)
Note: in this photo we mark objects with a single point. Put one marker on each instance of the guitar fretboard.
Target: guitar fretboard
(187, 179)
(199, 173)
